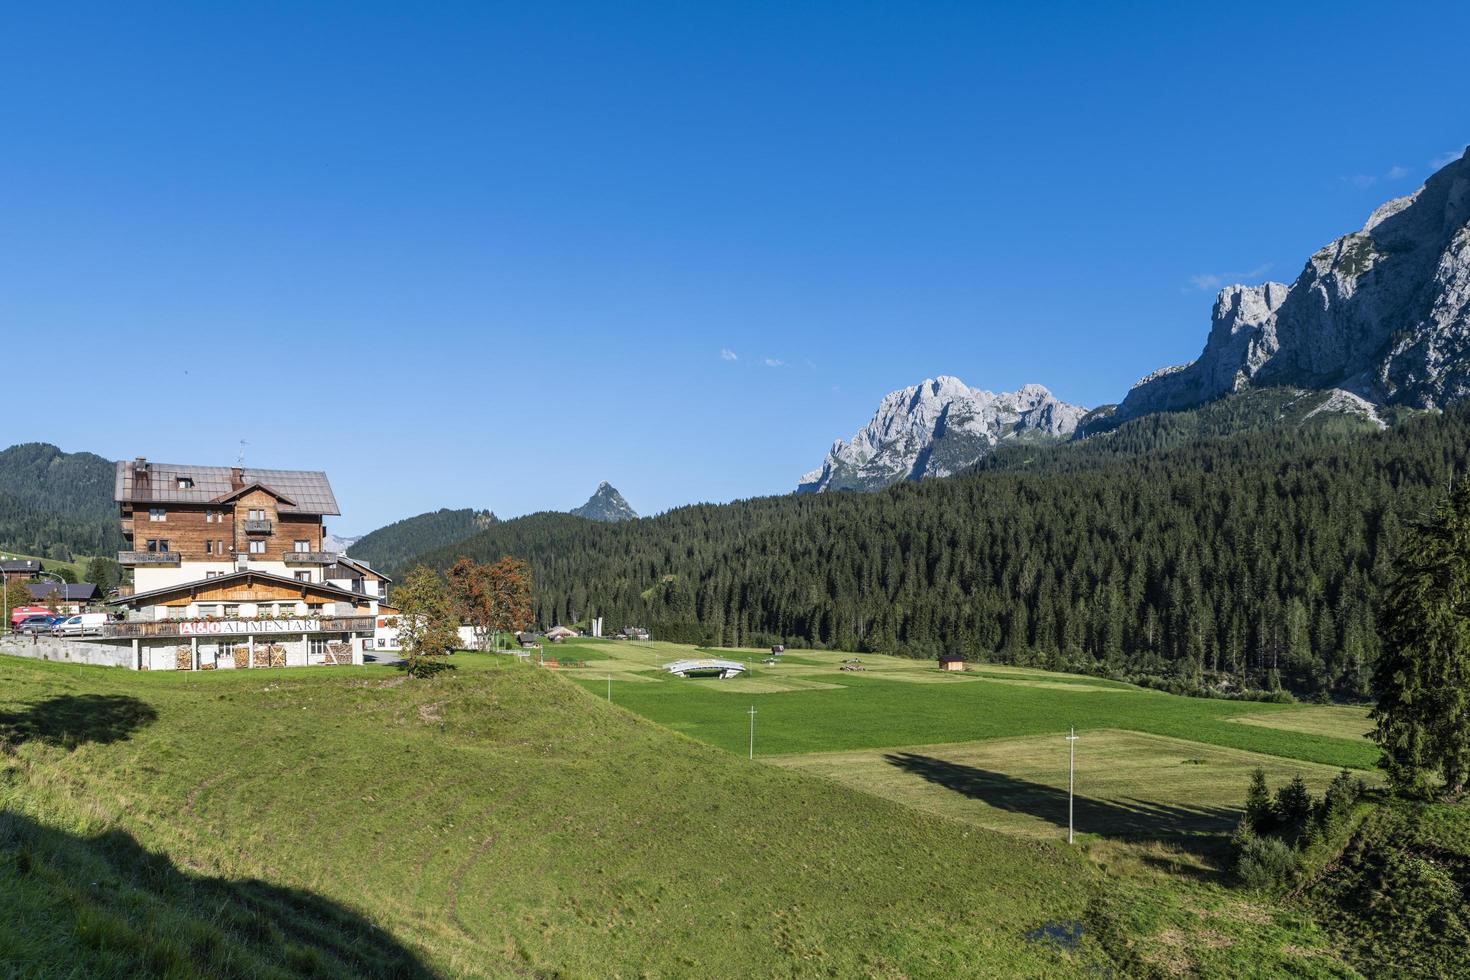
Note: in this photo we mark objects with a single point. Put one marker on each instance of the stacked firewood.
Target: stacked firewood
(183, 658)
(241, 654)
(339, 652)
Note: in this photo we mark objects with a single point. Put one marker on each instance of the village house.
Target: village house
(70, 598)
(20, 569)
(229, 571)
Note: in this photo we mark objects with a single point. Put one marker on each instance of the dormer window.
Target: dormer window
(186, 483)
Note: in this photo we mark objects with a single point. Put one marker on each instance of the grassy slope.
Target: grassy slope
(78, 565)
(494, 821)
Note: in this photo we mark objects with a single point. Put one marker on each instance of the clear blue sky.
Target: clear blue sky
(490, 254)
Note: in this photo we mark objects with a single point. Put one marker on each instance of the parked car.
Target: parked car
(38, 623)
(81, 625)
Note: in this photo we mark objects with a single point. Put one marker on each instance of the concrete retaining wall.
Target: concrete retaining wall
(68, 651)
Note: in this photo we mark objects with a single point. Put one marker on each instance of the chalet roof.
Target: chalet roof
(249, 575)
(70, 592)
(15, 566)
(145, 482)
(950, 658)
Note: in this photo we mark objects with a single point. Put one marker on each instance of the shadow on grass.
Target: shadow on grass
(105, 906)
(71, 720)
(1130, 818)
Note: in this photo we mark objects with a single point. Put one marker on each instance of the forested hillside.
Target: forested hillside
(389, 547)
(1257, 555)
(57, 504)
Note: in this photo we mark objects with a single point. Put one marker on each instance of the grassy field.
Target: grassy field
(808, 704)
(500, 821)
(1129, 786)
(494, 821)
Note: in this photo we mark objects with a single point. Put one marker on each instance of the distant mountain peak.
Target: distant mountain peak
(938, 427)
(606, 504)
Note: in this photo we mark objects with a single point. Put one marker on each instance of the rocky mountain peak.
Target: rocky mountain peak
(1382, 313)
(606, 504)
(938, 427)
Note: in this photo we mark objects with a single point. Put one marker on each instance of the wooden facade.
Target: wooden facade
(219, 531)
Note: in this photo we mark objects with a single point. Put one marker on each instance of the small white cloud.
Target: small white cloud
(1445, 159)
(773, 362)
(1360, 180)
(1206, 281)
(726, 354)
(1396, 172)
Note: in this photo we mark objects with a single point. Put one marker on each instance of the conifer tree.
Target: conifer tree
(1423, 675)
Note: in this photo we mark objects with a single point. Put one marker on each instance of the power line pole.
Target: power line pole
(1071, 773)
(752, 732)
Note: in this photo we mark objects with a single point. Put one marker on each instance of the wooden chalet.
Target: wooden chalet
(229, 571)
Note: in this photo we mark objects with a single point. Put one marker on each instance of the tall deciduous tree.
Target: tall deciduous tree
(15, 594)
(1423, 674)
(510, 589)
(427, 627)
(473, 595)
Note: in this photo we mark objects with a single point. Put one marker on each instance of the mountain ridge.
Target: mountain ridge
(936, 428)
(1382, 313)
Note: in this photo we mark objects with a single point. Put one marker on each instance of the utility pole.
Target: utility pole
(1071, 772)
(751, 712)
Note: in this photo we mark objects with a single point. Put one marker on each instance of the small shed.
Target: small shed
(526, 640)
(558, 633)
(778, 648)
(951, 661)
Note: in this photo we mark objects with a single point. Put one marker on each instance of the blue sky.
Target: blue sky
(490, 254)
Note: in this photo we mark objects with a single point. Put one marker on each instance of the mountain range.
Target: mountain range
(1378, 317)
(938, 427)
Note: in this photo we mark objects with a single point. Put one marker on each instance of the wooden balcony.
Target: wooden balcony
(257, 527)
(127, 527)
(148, 557)
(311, 557)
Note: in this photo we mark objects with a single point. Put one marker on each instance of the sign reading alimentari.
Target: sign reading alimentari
(240, 627)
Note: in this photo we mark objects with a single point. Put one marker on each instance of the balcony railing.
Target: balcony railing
(211, 629)
(311, 557)
(257, 526)
(148, 557)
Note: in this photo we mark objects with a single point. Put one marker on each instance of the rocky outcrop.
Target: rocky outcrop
(606, 505)
(1382, 313)
(938, 427)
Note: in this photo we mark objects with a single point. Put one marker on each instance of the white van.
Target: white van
(81, 625)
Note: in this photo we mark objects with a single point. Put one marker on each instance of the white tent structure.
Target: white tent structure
(723, 669)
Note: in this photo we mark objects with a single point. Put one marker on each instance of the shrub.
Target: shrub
(1263, 862)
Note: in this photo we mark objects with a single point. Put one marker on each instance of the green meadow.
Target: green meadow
(807, 703)
(506, 820)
